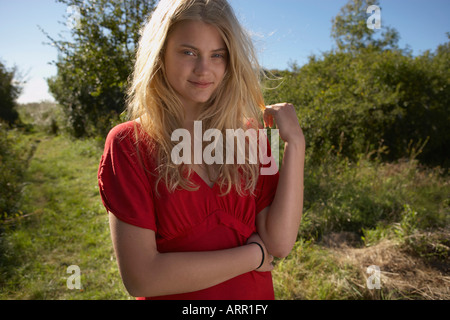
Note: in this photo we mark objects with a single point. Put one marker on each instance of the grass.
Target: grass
(393, 215)
(65, 225)
(312, 273)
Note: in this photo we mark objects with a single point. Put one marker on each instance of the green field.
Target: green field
(392, 215)
(64, 224)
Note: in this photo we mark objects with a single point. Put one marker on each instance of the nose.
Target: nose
(202, 66)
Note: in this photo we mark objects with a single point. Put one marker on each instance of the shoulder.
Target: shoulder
(122, 131)
(120, 140)
(131, 133)
(131, 139)
(119, 144)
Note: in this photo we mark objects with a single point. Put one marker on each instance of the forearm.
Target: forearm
(284, 216)
(174, 273)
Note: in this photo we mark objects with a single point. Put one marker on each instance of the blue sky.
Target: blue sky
(283, 31)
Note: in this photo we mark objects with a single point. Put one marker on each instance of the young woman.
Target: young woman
(198, 231)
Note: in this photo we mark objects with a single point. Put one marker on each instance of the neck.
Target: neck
(192, 113)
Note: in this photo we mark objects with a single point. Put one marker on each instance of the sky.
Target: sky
(283, 31)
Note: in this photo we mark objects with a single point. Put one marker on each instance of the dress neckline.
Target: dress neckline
(203, 182)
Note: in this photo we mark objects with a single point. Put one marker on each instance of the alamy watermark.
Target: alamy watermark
(374, 280)
(74, 281)
(74, 18)
(213, 153)
(374, 21)
(216, 147)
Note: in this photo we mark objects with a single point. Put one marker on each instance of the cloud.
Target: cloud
(254, 34)
(272, 33)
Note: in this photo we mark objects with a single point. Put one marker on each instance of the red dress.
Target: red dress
(183, 221)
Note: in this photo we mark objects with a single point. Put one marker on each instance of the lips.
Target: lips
(201, 84)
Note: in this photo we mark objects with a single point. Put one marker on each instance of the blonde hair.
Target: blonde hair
(236, 104)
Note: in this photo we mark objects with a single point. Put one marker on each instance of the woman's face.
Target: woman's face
(196, 61)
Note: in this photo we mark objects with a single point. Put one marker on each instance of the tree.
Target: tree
(93, 68)
(10, 90)
(349, 29)
(370, 96)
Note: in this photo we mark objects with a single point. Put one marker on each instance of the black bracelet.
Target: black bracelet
(263, 255)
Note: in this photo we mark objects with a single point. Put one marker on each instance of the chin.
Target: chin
(202, 100)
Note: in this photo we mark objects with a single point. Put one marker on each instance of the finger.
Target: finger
(269, 112)
(268, 120)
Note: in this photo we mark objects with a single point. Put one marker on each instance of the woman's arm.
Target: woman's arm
(147, 273)
(278, 224)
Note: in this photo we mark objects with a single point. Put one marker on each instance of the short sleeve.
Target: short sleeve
(267, 181)
(125, 188)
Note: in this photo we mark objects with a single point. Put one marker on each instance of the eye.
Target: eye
(219, 55)
(188, 53)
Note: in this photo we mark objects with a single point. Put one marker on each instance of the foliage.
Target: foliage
(359, 106)
(44, 116)
(9, 92)
(351, 33)
(65, 224)
(93, 68)
(369, 94)
(356, 197)
(311, 273)
(14, 156)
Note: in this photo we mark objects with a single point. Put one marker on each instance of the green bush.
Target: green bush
(369, 93)
(351, 103)
(9, 92)
(373, 199)
(13, 164)
(43, 116)
(93, 68)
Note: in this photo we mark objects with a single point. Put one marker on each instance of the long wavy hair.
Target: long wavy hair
(236, 104)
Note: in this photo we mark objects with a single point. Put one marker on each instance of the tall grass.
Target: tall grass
(395, 215)
(401, 210)
(15, 153)
(354, 197)
(66, 225)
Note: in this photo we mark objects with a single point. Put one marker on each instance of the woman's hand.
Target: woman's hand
(285, 117)
(268, 258)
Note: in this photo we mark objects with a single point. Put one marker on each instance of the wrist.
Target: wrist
(260, 252)
(296, 144)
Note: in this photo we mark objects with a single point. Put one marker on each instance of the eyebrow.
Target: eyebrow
(196, 49)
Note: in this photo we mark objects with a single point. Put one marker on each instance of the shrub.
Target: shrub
(351, 103)
(9, 91)
(373, 197)
(13, 164)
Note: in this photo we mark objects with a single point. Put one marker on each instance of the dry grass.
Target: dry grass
(404, 273)
(391, 215)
